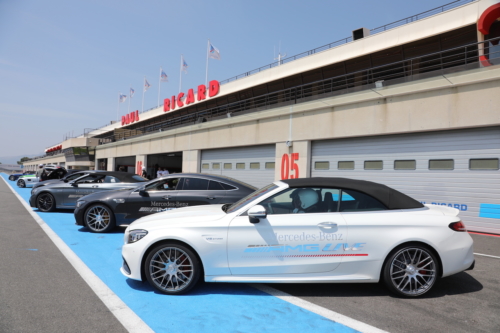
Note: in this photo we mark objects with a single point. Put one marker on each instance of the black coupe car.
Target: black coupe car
(101, 212)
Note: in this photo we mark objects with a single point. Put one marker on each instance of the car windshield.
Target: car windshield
(251, 197)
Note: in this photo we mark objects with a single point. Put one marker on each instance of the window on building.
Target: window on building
(205, 166)
(254, 165)
(405, 165)
(270, 165)
(322, 165)
(374, 165)
(441, 164)
(240, 165)
(228, 166)
(215, 166)
(483, 164)
(345, 165)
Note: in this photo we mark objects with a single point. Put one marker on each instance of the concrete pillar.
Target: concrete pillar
(292, 157)
(140, 161)
(111, 164)
(191, 160)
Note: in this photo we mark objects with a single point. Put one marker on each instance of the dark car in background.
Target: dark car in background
(101, 212)
(64, 195)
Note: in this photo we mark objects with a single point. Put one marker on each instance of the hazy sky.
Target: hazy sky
(63, 63)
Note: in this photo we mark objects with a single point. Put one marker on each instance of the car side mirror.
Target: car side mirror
(73, 184)
(256, 213)
(143, 193)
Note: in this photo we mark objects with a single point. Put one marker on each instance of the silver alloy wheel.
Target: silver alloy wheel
(171, 269)
(98, 218)
(413, 271)
(45, 202)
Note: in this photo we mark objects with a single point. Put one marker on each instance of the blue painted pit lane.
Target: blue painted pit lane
(210, 307)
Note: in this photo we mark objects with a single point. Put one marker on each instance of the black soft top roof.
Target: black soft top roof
(391, 198)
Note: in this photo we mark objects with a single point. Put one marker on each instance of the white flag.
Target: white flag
(184, 65)
(213, 52)
(123, 98)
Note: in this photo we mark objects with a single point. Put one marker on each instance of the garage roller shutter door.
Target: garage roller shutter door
(476, 191)
(252, 165)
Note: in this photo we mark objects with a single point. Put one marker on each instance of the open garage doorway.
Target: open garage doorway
(126, 163)
(172, 162)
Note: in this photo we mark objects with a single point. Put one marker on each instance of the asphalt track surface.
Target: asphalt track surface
(41, 292)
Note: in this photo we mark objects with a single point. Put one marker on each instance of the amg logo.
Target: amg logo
(150, 209)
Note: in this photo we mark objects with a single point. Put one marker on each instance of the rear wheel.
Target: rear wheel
(411, 271)
(99, 218)
(172, 269)
(12, 178)
(46, 202)
(21, 183)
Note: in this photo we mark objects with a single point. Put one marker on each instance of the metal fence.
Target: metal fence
(428, 65)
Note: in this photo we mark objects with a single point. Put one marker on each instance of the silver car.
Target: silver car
(64, 194)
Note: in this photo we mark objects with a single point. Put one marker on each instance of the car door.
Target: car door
(80, 187)
(155, 197)
(292, 239)
(200, 191)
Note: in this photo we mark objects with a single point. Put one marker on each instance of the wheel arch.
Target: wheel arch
(399, 246)
(165, 241)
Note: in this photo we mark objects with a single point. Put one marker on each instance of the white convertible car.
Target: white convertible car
(311, 230)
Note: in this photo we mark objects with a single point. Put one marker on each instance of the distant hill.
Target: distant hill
(14, 159)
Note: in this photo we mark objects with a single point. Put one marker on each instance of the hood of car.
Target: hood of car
(204, 213)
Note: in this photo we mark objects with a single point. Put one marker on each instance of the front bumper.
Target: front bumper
(78, 213)
(33, 201)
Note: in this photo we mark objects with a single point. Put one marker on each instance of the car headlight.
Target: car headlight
(136, 235)
(119, 200)
(80, 203)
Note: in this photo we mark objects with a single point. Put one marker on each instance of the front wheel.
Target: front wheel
(172, 269)
(21, 183)
(46, 202)
(99, 218)
(411, 271)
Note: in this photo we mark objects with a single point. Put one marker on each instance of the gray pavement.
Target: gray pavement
(465, 302)
(39, 289)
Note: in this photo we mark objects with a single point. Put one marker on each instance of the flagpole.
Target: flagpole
(206, 73)
(143, 90)
(118, 109)
(180, 74)
(129, 98)
(159, 86)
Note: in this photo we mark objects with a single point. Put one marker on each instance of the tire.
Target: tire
(99, 218)
(163, 269)
(46, 202)
(11, 178)
(411, 270)
(21, 183)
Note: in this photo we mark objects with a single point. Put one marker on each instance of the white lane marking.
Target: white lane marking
(128, 318)
(329, 314)
(486, 255)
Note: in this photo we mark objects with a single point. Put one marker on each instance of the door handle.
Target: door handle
(327, 225)
(94, 186)
(210, 198)
(167, 197)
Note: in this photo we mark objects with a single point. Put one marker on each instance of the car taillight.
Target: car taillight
(457, 226)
